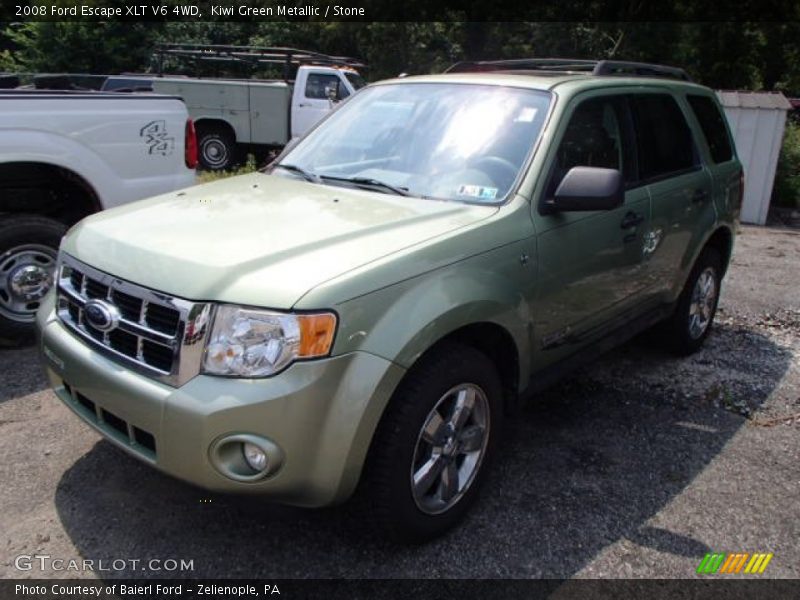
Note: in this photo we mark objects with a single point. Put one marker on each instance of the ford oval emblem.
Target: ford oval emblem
(101, 315)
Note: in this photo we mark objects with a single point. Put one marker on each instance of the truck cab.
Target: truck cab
(315, 90)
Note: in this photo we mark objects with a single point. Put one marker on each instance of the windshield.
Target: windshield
(356, 80)
(446, 141)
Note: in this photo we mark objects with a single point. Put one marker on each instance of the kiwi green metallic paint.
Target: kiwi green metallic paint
(401, 273)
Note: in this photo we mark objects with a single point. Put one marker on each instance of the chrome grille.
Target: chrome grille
(157, 334)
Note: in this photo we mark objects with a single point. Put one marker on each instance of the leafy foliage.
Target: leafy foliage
(787, 176)
(79, 46)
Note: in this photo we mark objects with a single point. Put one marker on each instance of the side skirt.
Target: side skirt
(622, 331)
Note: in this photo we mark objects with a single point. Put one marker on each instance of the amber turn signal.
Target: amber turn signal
(316, 334)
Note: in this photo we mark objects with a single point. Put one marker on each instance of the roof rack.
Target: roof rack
(572, 65)
(252, 55)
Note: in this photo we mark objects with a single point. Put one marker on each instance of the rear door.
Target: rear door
(679, 184)
(589, 263)
(726, 170)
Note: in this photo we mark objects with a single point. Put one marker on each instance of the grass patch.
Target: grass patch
(249, 166)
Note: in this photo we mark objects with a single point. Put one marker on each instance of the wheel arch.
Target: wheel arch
(209, 123)
(46, 189)
(496, 343)
(491, 337)
(721, 239)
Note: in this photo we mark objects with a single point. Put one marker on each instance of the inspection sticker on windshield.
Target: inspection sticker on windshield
(478, 191)
(526, 115)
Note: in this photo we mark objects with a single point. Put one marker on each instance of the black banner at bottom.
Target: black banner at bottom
(434, 589)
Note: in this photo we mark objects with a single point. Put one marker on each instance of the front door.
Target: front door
(590, 264)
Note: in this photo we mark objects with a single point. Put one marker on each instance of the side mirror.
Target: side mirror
(587, 189)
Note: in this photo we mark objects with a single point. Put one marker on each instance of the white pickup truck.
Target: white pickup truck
(256, 114)
(65, 155)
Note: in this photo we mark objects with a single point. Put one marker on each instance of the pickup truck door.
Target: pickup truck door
(310, 100)
(590, 264)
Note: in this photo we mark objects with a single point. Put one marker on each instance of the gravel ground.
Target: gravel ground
(634, 466)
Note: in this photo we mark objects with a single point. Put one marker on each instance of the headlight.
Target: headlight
(248, 342)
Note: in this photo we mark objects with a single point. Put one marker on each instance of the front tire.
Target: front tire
(434, 444)
(691, 322)
(28, 252)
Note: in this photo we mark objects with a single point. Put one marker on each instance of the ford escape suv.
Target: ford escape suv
(369, 308)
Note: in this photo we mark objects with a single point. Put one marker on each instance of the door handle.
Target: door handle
(301, 105)
(699, 196)
(632, 219)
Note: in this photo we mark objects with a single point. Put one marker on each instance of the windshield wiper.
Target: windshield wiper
(307, 175)
(373, 183)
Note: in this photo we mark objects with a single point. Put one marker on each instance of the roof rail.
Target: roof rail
(570, 65)
(253, 55)
(523, 64)
(620, 67)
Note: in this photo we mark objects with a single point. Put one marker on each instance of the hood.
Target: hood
(261, 240)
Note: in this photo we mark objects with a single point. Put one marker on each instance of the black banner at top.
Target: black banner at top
(396, 10)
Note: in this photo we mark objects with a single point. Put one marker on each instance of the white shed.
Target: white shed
(757, 121)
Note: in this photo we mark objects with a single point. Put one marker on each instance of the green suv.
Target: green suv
(367, 311)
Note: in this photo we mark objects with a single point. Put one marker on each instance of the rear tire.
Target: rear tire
(28, 252)
(688, 327)
(434, 444)
(216, 148)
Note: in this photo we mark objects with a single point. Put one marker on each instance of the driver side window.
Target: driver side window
(593, 138)
(316, 84)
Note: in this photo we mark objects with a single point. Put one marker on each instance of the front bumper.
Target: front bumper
(321, 414)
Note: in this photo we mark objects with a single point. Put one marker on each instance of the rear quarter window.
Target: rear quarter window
(713, 125)
(663, 138)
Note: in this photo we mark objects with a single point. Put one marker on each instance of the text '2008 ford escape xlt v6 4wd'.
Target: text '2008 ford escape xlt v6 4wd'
(370, 308)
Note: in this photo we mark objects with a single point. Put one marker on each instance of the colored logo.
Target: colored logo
(100, 315)
(741, 562)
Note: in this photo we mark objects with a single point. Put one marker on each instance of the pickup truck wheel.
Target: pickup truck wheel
(691, 323)
(28, 251)
(433, 446)
(216, 149)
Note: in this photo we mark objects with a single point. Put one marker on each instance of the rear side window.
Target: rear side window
(713, 125)
(663, 137)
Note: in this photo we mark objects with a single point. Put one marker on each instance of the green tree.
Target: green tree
(79, 46)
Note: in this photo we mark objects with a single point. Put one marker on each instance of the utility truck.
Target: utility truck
(261, 115)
